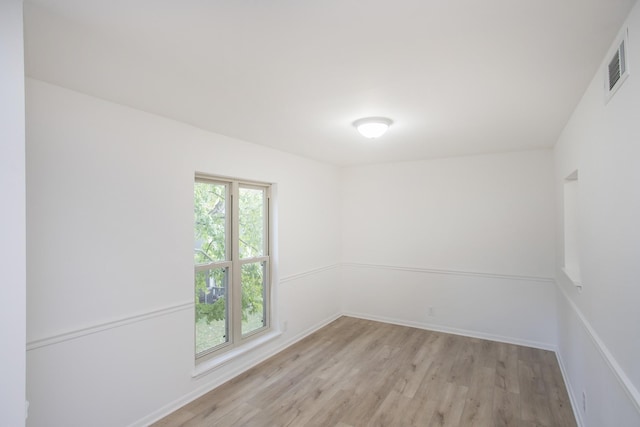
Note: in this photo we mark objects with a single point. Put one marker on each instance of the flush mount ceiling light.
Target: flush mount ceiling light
(372, 127)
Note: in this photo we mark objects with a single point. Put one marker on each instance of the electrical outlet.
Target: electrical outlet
(431, 312)
(285, 325)
(584, 401)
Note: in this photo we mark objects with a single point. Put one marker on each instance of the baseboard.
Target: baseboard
(205, 388)
(474, 334)
(454, 331)
(572, 396)
(616, 370)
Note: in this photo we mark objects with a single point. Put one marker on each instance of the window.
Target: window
(232, 263)
(571, 259)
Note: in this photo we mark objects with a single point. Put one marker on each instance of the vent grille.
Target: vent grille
(617, 69)
(614, 70)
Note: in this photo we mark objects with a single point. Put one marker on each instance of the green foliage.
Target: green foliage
(251, 223)
(210, 222)
(211, 312)
(252, 279)
(210, 218)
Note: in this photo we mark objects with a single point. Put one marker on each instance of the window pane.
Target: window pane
(212, 322)
(251, 222)
(253, 296)
(210, 222)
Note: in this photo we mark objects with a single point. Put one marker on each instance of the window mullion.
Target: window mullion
(228, 238)
(267, 251)
(236, 295)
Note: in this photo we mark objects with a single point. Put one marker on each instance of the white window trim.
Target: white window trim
(204, 367)
(222, 354)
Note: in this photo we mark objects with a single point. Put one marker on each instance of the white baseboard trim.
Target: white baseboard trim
(454, 331)
(117, 323)
(630, 390)
(207, 387)
(474, 334)
(573, 398)
(449, 272)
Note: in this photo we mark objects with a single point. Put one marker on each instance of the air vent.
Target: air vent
(617, 69)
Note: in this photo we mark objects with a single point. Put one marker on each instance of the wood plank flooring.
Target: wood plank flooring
(357, 372)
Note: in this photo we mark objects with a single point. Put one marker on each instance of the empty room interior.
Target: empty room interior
(194, 213)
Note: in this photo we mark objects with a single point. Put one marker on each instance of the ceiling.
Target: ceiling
(457, 77)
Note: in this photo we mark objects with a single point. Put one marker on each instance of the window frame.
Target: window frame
(233, 263)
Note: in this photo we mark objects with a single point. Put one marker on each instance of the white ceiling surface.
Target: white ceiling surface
(457, 77)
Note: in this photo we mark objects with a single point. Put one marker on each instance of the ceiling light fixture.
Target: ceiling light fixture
(372, 127)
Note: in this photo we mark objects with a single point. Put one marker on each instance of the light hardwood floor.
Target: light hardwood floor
(357, 372)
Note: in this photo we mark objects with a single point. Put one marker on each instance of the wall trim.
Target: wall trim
(614, 366)
(454, 331)
(450, 272)
(297, 276)
(128, 320)
(205, 388)
(100, 327)
(572, 396)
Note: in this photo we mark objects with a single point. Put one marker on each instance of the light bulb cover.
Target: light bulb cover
(372, 127)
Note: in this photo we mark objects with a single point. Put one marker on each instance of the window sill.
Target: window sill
(573, 278)
(206, 366)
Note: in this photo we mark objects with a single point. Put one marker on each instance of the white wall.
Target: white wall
(12, 216)
(471, 237)
(109, 228)
(109, 216)
(599, 336)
